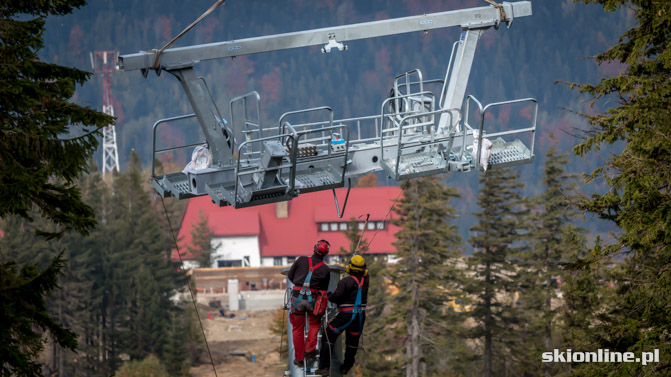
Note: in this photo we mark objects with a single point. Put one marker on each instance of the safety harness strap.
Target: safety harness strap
(305, 289)
(355, 310)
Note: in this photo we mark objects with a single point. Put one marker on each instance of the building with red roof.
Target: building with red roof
(275, 234)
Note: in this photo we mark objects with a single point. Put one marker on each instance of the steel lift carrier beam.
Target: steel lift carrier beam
(417, 132)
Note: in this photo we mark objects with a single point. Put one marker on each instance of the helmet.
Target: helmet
(357, 263)
(322, 247)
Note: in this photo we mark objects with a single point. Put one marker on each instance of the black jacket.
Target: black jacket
(345, 294)
(299, 270)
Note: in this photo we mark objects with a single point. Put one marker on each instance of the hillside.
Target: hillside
(524, 61)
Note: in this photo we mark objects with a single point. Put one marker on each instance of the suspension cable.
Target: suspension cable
(385, 216)
(193, 297)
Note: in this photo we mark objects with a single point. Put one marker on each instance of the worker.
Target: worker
(309, 275)
(351, 296)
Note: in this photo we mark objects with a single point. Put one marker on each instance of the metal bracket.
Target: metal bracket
(333, 44)
(335, 198)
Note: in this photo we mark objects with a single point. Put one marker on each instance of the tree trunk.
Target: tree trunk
(413, 347)
(548, 307)
(488, 320)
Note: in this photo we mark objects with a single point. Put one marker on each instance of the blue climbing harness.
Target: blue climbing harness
(305, 290)
(356, 310)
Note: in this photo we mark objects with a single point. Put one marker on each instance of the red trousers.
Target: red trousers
(298, 333)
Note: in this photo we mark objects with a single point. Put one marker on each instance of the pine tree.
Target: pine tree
(638, 201)
(428, 248)
(144, 277)
(175, 351)
(45, 142)
(45, 139)
(23, 308)
(201, 241)
(552, 238)
(493, 273)
(356, 242)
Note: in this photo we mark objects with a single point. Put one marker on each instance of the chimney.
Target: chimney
(282, 210)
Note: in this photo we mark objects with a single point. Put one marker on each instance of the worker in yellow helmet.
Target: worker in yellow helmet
(351, 296)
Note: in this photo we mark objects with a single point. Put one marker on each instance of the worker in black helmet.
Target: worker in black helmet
(317, 273)
(351, 296)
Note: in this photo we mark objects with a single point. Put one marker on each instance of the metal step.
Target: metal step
(415, 165)
(222, 195)
(509, 153)
(216, 192)
(315, 179)
(175, 184)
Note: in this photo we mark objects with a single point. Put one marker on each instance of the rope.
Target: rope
(324, 331)
(501, 10)
(193, 298)
(157, 57)
(356, 249)
(385, 216)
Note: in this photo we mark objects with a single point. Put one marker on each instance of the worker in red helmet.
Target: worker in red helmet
(309, 276)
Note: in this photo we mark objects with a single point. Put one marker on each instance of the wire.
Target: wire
(385, 216)
(356, 249)
(193, 298)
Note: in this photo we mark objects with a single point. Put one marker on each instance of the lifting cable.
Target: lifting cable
(378, 229)
(157, 57)
(193, 298)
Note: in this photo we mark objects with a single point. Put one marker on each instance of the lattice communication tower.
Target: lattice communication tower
(104, 64)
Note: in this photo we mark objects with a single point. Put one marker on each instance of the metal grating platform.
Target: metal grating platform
(178, 185)
(318, 179)
(506, 154)
(415, 165)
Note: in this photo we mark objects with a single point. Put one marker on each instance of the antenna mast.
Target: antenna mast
(104, 63)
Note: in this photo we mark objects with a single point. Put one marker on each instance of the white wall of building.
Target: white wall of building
(266, 261)
(240, 248)
(190, 264)
(275, 261)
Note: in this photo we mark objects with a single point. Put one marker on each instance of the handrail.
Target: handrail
(386, 101)
(326, 129)
(305, 111)
(244, 97)
(400, 133)
(496, 104)
(406, 75)
(153, 141)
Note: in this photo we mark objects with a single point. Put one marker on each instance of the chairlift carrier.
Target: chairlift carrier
(418, 132)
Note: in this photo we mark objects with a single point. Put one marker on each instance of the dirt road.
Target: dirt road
(235, 341)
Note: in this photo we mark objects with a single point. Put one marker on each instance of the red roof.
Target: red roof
(296, 234)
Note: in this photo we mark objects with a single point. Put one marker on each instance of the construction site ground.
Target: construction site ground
(243, 345)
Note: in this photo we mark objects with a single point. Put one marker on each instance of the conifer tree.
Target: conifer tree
(428, 247)
(552, 239)
(201, 241)
(175, 351)
(23, 308)
(45, 139)
(146, 279)
(45, 142)
(357, 244)
(493, 273)
(637, 119)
